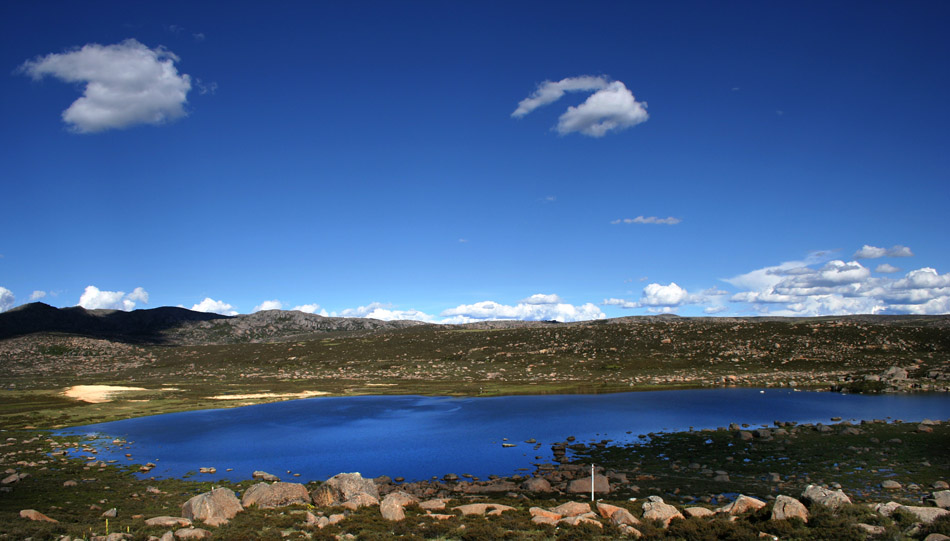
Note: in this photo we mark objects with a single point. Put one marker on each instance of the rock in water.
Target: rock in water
(787, 507)
(276, 495)
(213, 508)
(264, 476)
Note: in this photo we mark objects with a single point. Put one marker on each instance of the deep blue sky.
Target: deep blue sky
(351, 153)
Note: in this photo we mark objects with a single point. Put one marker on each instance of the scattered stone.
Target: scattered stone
(537, 484)
(582, 485)
(623, 517)
(336, 518)
(823, 496)
(605, 509)
(891, 485)
(936, 537)
(869, 529)
(492, 509)
(168, 522)
(111, 513)
(437, 504)
(213, 508)
(70, 483)
(33, 514)
(578, 520)
(886, 509)
(787, 507)
(941, 485)
(538, 512)
(744, 435)
(192, 533)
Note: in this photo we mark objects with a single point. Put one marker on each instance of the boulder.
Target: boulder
(698, 512)
(537, 484)
(571, 509)
(393, 504)
(605, 509)
(741, 505)
(621, 516)
(787, 507)
(936, 537)
(891, 485)
(348, 485)
(925, 514)
(823, 496)
(278, 494)
(437, 504)
(941, 498)
(213, 508)
(869, 530)
(582, 485)
(886, 509)
(192, 533)
(660, 511)
(33, 514)
(544, 513)
(168, 522)
(360, 500)
(540, 519)
(110, 513)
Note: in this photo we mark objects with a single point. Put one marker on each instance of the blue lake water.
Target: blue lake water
(418, 437)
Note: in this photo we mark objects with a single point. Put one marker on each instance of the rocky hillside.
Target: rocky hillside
(176, 326)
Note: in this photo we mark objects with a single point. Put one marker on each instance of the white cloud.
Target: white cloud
(537, 310)
(838, 288)
(216, 307)
(378, 310)
(714, 309)
(6, 299)
(611, 107)
(660, 295)
(311, 309)
(873, 252)
(885, 268)
(93, 298)
(539, 298)
(648, 220)
(549, 92)
(37, 295)
(126, 84)
(268, 305)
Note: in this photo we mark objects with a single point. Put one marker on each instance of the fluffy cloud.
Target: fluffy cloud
(541, 308)
(37, 295)
(213, 306)
(660, 295)
(838, 288)
(268, 305)
(377, 310)
(126, 84)
(311, 309)
(885, 268)
(873, 252)
(94, 298)
(648, 220)
(6, 299)
(659, 298)
(611, 108)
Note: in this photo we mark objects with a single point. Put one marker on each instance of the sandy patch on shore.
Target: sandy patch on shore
(97, 394)
(304, 394)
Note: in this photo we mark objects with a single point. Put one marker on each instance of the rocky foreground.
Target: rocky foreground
(884, 492)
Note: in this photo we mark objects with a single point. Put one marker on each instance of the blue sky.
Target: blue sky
(454, 161)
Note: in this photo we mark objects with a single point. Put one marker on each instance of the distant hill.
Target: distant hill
(178, 325)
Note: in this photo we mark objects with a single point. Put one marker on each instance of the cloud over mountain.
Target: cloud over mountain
(93, 298)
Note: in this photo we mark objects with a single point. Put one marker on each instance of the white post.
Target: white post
(591, 481)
